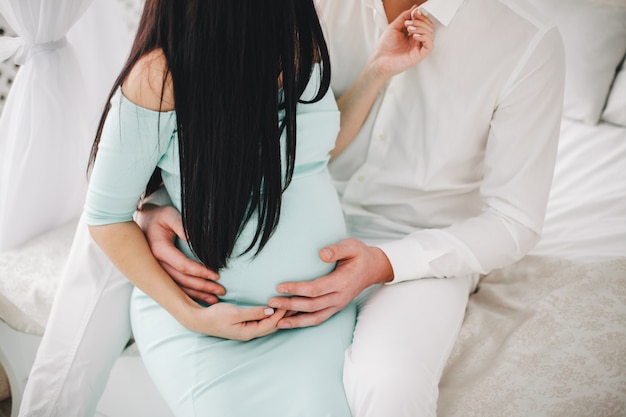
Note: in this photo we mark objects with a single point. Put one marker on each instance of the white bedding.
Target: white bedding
(546, 337)
(29, 277)
(586, 214)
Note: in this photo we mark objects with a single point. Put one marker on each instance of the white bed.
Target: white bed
(543, 337)
(547, 336)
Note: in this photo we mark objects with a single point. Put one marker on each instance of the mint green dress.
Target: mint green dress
(289, 373)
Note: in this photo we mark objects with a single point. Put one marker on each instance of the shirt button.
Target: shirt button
(382, 137)
(360, 178)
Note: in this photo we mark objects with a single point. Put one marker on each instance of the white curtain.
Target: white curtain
(42, 146)
(48, 122)
(102, 38)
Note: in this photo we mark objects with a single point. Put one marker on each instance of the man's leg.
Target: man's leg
(87, 329)
(403, 337)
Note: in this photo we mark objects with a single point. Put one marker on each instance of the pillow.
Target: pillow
(594, 37)
(615, 111)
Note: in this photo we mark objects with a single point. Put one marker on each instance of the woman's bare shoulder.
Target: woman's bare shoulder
(149, 84)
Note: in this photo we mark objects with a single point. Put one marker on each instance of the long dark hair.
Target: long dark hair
(225, 58)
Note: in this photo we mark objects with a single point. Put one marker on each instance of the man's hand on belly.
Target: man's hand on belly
(161, 226)
(358, 267)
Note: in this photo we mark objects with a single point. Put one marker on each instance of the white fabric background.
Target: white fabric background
(50, 115)
(41, 135)
(47, 119)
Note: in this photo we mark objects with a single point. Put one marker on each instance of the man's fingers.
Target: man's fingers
(180, 262)
(200, 284)
(306, 319)
(174, 221)
(316, 288)
(305, 304)
(342, 250)
(200, 296)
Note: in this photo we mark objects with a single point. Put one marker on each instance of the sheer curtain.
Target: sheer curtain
(49, 119)
(102, 38)
(44, 140)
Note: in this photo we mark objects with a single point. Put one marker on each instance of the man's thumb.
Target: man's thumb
(328, 254)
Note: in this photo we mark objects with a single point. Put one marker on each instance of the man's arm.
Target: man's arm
(520, 157)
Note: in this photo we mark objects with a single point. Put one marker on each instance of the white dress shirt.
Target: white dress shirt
(451, 171)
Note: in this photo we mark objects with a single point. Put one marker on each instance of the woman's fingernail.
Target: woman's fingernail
(284, 326)
(282, 290)
(269, 311)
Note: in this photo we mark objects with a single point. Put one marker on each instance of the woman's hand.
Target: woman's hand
(404, 43)
(161, 226)
(231, 322)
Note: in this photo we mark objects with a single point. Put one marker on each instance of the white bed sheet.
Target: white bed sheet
(544, 337)
(586, 214)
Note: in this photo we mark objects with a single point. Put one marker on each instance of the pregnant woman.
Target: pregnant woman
(227, 104)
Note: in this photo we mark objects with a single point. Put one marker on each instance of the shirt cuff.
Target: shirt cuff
(407, 258)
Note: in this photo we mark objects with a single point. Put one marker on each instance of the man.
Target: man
(447, 179)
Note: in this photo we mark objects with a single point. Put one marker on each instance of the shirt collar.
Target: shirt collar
(442, 10)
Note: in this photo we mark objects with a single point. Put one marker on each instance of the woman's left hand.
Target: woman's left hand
(404, 43)
(228, 321)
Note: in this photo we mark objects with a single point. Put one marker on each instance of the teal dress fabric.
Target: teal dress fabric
(288, 373)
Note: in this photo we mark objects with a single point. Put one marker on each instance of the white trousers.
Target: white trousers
(403, 337)
(88, 327)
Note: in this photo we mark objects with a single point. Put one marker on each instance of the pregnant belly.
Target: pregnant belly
(310, 219)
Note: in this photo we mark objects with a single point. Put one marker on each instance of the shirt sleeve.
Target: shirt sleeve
(520, 155)
(133, 142)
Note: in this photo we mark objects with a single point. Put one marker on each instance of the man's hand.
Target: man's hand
(358, 267)
(161, 226)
